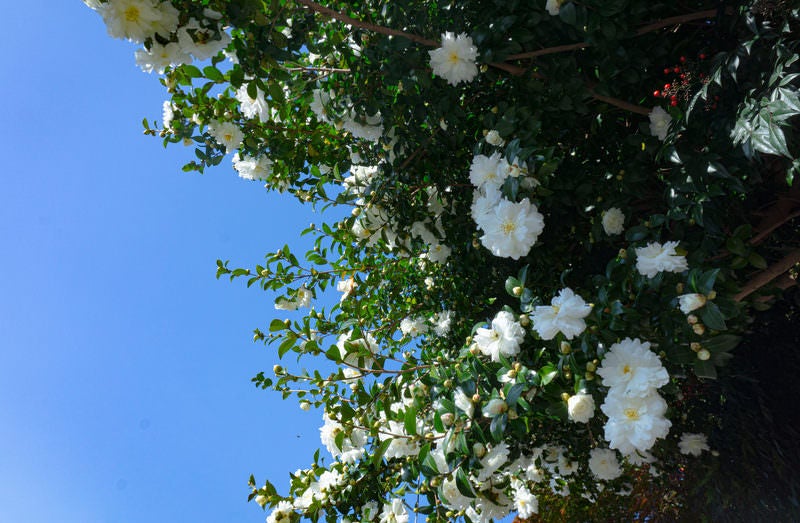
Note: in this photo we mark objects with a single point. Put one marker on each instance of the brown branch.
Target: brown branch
(655, 26)
(638, 109)
(365, 25)
(763, 278)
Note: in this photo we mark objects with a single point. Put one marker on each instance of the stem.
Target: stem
(638, 109)
(763, 278)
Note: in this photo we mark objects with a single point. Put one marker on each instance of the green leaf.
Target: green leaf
(463, 485)
(722, 343)
(285, 346)
(410, 421)
(212, 73)
(705, 369)
(498, 427)
(377, 457)
(277, 325)
(712, 317)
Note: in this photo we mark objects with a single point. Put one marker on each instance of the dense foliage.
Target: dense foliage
(564, 216)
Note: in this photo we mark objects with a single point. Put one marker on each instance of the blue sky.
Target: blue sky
(125, 367)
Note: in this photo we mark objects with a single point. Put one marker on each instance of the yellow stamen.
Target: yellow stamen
(132, 14)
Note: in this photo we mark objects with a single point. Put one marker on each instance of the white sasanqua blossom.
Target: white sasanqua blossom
(251, 168)
(660, 121)
(604, 464)
(494, 138)
(655, 258)
(524, 501)
(495, 458)
(580, 408)
(455, 59)
(554, 6)
(494, 408)
(413, 327)
(632, 369)
(137, 20)
(511, 229)
(202, 42)
(463, 402)
(613, 221)
(394, 512)
(167, 114)
(370, 129)
(442, 322)
(503, 338)
(253, 107)
(693, 444)
(226, 134)
(438, 253)
(159, 57)
(565, 314)
(282, 513)
(302, 299)
(634, 423)
(346, 287)
(320, 101)
(484, 171)
(691, 302)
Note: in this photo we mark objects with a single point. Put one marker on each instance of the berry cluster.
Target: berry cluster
(684, 78)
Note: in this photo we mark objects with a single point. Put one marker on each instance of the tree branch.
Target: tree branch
(638, 109)
(763, 278)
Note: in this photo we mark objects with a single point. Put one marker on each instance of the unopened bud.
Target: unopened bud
(277, 369)
(691, 319)
(703, 354)
(517, 291)
(711, 295)
(524, 320)
(566, 348)
(699, 329)
(695, 346)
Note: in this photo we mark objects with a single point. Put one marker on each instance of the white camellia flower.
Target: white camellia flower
(655, 258)
(691, 302)
(251, 168)
(394, 512)
(159, 57)
(634, 423)
(495, 458)
(494, 138)
(632, 368)
(660, 121)
(554, 6)
(494, 407)
(455, 59)
(463, 402)
(484, 170)
(202, 42)
(413, 327)
(511, 229)
(504, 337)
(565, 314)
(253, 107)
(613, 221)
(692, 444)
(438, 253)
(227, 134)
(136, 20)
(580, 408)
(442, 322)
(282, 513)
(604, 464)
(524, 501)
(346, 287)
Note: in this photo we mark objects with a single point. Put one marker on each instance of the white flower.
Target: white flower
(494, 407)
(346, 287)
(492, 461)
(136, 20)
(553, 6)
(690, 302)
(659, 123)
(413, 327)
(503, 338)
(580, 408)
(511, 229)
(655, 258)
(371, 129)
(634, 423)
(525, 502)
(353, 444)
(251, 168)
(159, 57)
(692, 444)
(455, 59)
(494, 138)
(613, 221)
(565, 314)
(438, 253)
(632, 368)
(319, 104)
(394, 512)
(484, 170)
(227, 134)
(282, 513)
(202, 42)
(442, 322)
(253, 107)
(167, 114)
(369, 510)
(463, 402)
(604, 464)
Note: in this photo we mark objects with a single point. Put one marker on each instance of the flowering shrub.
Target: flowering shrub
(527, 240)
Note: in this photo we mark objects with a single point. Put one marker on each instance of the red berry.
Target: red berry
(657, 93)
(676, 69)
(673, 103)
(667, 86)
(683, 76)
(683, 59)
(673, 97)
(702, 56)
(667, 70)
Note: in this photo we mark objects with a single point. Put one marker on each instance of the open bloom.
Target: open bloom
(690, 302)
(604, 464)
(511, 229)
(634, 423)
(655, 258)
(251, 168)
(554, 6)
(226, 134)
(660, 121)
(632, 368)
(565, 314)
(503, 338)
(455, 59)
(692, 444)
(136, 20)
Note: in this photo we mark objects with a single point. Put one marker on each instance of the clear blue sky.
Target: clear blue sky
(125, 367)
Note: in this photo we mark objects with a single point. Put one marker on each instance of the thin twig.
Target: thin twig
(763, 278)
(638, 109)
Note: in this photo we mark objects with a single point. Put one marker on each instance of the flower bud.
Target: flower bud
(566, 348)
(277, 369)
(711, 295)
(703, 355)
(524, 320)
(691, 319)
(479, 450)
(699, 329)
(448, 418)
(517, 291)
(305, 405)
(695, 346)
